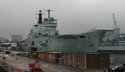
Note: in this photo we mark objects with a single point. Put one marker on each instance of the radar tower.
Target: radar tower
(40, 17)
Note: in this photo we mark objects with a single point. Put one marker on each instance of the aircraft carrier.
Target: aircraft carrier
(102, 45)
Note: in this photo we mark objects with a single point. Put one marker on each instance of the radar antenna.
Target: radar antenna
(48, 12)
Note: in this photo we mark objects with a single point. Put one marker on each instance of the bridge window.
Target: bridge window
(81, 36)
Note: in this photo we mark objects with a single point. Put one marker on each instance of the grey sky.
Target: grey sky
(74, 16)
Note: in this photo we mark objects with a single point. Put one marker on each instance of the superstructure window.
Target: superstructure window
(36, 37)
(40, 41)
(123, 37)
(25, 44)
(81, 36)
(32, 43)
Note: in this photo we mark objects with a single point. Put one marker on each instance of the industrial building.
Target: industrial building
(16, 38)
(15, 42)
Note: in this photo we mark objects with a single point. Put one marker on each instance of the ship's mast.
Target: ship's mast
(40, 17)
(48, 13)
(114, 20)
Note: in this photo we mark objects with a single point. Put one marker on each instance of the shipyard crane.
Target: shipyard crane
(116, 29)
(114, 20)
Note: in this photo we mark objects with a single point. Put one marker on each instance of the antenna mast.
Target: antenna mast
(114, 20)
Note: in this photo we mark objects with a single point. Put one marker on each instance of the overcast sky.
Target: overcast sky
(74, 16)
